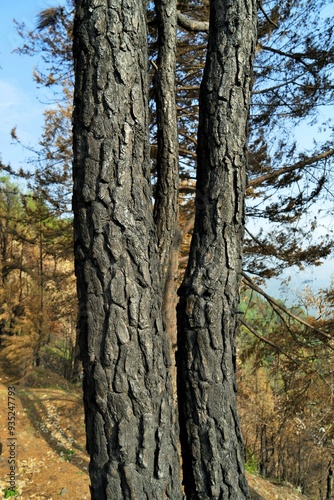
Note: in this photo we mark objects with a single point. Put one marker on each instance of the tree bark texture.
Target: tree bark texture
(167, 188)
(166, 204)
(212, 447)
(130, 417)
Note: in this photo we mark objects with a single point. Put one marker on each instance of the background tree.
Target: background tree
(293, 86)
(52, 41)
(34, 260)
(285, 180)
(286, 395)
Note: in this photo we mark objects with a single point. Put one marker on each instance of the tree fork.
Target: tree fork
(212, 448)
(128, 397)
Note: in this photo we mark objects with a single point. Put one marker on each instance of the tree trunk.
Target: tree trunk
(329, 483)
(211, 441)
(166, 204)
(130, 417)
(167, 189)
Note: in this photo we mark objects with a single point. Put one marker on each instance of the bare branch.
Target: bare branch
(276, 304)
(270, 21)
(296, 57)
(188, 226)
(191, 24)
(187, 152)
(300, 164)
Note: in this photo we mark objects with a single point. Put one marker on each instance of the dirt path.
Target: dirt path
(50, 457)
(50, 461)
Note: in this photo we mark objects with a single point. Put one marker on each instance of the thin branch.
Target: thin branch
(261, 245)
(280, 85)
(280, 350)
(189, 24)
(188, 87)
(300, 164)
(187, 188)
(266, 341)
(270, 21)
(276, 304)
(296, 57)
(192, 139)
(187, 152)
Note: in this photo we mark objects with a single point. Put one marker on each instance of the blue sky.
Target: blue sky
(20, 101)
(22, 106)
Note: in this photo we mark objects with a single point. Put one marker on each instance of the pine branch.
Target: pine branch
(295, 56)
(267, 341)
(189, 24)
(48, 18)
(276, 304)
(300, 164)
(282, 351)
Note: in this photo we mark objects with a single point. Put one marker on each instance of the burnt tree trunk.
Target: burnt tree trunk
(166, 204)
(130, 416)
(167, 189)
(212, 447)
(329, 483)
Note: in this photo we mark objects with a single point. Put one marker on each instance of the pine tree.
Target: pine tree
(130, 415)
(293, 49)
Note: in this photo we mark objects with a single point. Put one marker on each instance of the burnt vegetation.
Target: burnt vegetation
(284, 354)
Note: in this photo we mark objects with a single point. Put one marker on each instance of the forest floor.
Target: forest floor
(50, 457)
(51, 461)
(262, 489)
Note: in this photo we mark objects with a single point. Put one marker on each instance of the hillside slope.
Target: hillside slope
(261, 489)
(50, 458)
(51, 461)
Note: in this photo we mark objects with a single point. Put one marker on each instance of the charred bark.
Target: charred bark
(212, 447)
(166, 205)
(130, 418)
(329, 483)
(167, 188)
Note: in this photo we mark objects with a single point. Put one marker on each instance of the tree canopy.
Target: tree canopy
(293, 85)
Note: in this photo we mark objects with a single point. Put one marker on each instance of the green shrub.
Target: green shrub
(10, 493)
(252, 465)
